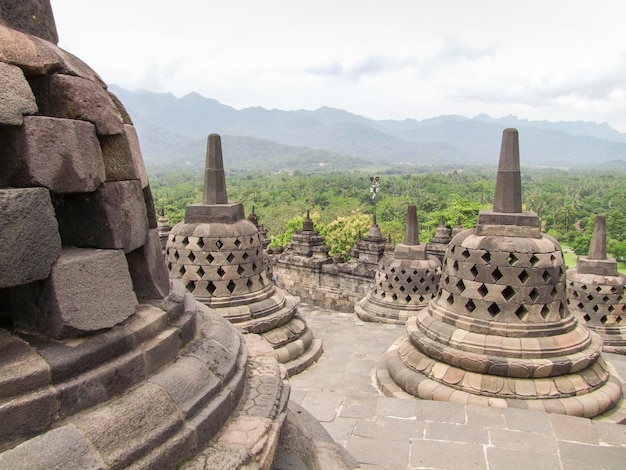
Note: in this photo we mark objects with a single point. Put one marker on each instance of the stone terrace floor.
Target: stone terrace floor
(395, 433)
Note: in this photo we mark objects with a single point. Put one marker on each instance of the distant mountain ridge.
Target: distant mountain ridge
(173, 131)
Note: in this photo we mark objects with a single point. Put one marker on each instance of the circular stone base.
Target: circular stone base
(507, 392)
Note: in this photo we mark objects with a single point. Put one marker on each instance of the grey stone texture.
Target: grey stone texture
(114, 216)
(214, 178)
(147, 269)
(87, 290)
(28, 234)
(62, 155)
(508, 195)
(16, 98)
(30, 16)
(122, 156)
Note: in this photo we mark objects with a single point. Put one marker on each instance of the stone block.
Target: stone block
(28, 235)
(30, 16)
(63, 447)
(71, 97)
(21, 369)
(122, 110)
(16, 97)
(87, 291)
(31, 54)
(150, 211)
(147, 269)
(61, 154)
(114, 216)
(135, 152)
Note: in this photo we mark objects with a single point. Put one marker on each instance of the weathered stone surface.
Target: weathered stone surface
(72, 97)
(147, 269)
(87, 290)
(150, 210)
(28, 235)
(63, 447)
(31, 54)
(16, 97)
(21, 369)
(61, 154)
(30, 16)
(135, 152)
(122, 110)
(114, 216)
(122, 157)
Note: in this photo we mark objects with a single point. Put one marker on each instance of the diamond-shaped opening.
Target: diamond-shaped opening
(619, 319)
(604, 319)
(486, 257)
(210, 288)
(474, 271)
(584, 287)
(191, 256)
(409, 280)
(554, 292)
(427, 288)
(455, 266)
(450, 299)
(521, 312)
(383, 294)
(545, 311)
(496, 275)
(249, 284)
(396, 279)
(240, 270)
(408, 299)
(200, 272)
(595, 308)
(546, 277)
(460, 285)
(200, 243)
(574, 294)
(220, 272)
(511, 259)
(589, 298)
(394, 297)
(185, 242)
(414, 289)
(611, 308)
(523, 276)
(210, 258)
(580, 305)
(392, 270)
(598, 289)
(605, 299)
(534, 260)
(465, 253)
(182, 270)
(191, 285)
(469, 306)
(421, 298)
(587, 317)
(254, 267)
(482, 290)
(552, 258)
(401, 288)
(176, 255)
(230, 257)
(415, 272)
(245, 255)
(219, 244)
(238, 242)
(533, 294)
(403, 272)
(508, 293)
(493, 309)
(231, 286)
(613, 290)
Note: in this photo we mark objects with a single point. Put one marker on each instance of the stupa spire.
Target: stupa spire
(597, 247)
(411, 234)
(508, 195)
(214, 179)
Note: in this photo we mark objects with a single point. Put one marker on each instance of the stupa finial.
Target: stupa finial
(597, 247)
(411, 234)
(214, 179)
(508, 195)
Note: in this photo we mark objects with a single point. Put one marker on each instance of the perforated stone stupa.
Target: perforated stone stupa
(499, 333)
(596, 292)
(219, 256)
(405, 281)
(439, 243)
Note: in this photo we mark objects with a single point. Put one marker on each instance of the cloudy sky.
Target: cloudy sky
(391, 59)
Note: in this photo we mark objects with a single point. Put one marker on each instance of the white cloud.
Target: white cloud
(394, 59)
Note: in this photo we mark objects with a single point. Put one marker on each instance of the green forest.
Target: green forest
(341, 203)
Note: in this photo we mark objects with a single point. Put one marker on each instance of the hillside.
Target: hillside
(172, 131)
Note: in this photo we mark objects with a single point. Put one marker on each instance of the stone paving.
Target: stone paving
(394, 433)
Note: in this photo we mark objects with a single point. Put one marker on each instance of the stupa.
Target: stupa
(499, 333)
(219, 256)
(405, 281)
(596, 292)
(438, 244)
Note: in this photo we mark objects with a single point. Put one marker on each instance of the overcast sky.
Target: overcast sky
(391, 59)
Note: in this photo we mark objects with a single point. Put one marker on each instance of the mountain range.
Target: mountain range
(172, 132)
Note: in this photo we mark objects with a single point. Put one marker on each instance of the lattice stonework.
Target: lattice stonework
(217, 266)
(505, 286)
(405, 284)
(600, 302)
